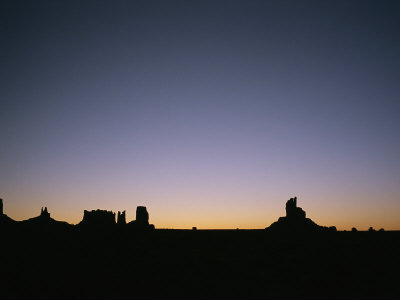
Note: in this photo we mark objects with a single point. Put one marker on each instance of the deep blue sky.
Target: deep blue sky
(210, 113)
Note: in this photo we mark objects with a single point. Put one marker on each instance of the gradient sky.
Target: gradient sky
(210, 113)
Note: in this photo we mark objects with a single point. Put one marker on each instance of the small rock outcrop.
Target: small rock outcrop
(142, 219)
(296, 221)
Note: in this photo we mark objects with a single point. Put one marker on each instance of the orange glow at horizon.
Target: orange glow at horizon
(230, 217)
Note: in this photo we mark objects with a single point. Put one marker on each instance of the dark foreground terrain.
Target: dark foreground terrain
(243, 264)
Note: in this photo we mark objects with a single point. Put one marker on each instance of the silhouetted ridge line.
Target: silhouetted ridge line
(296, 221)
(45, 221)
(95, 219)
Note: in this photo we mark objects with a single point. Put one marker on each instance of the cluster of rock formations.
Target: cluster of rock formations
(101, 219)
(296, 221)
(104, 218)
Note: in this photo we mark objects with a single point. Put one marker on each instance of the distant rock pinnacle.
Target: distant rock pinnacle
(295, 220)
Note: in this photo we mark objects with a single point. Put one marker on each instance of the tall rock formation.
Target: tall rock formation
(142, 219)
(142, 216)
(121, 219)
(296, 221)
(4, 219)
(44, 213)
(294, 212)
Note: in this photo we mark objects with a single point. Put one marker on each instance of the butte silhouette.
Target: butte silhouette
(296, 221)
(106, 219)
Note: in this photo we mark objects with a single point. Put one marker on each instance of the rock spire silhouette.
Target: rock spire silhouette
(296, 221)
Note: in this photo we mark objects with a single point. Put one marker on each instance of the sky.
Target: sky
(209, 113)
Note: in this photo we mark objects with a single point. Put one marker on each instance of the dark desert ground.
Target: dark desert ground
(43, 258)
